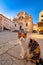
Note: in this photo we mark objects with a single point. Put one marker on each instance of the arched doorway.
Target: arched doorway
(20, 27)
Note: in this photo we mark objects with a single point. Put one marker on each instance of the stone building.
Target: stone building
(23, 21)
(41, 16)
(40, 22)
(36, 27)
(4, 22)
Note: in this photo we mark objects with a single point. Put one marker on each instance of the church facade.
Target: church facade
(23, 21)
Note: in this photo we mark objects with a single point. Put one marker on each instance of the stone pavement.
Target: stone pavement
(10, 54)
(10, 49)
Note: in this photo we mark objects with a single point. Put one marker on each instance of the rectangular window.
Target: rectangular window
(41, 19)
(41, 15)
(15, 25)
(26, 24)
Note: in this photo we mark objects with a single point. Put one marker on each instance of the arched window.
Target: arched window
(21, 17)
(26, 24)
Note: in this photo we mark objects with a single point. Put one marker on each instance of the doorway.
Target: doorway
(20, 27)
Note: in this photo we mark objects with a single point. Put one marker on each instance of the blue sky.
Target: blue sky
(11, 8)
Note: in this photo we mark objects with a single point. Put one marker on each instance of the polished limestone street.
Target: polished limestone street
(10, 48)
